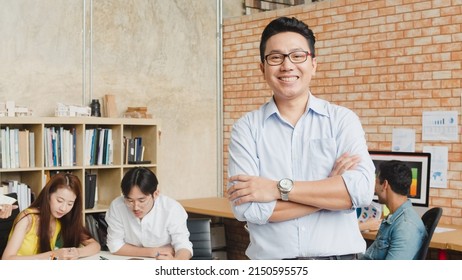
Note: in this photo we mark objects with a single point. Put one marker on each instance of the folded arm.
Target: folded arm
(256, 199)
(329, 193)
(286, 210)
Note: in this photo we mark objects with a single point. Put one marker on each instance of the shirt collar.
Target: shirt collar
(392, 217)
(315, 104)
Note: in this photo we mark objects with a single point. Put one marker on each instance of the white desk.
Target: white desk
(105, 255)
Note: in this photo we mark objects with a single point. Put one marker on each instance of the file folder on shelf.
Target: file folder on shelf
(90, 190)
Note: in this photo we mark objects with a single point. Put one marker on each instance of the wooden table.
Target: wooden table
(236, 236)
(448, 240)
(210, 206)
(221, 207)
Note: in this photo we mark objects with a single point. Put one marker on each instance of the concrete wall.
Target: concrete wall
(160, 54)
(386, 60)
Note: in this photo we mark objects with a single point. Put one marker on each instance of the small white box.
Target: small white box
(10, 108)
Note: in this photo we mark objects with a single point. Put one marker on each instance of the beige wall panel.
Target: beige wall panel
(160, 54)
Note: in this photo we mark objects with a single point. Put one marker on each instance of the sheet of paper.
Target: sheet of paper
(438, 166)
(403, 140)
(6, 199)
(440, 126)
(442, 229)
(373, 211)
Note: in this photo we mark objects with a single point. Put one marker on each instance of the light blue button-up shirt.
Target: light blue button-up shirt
(264, 144)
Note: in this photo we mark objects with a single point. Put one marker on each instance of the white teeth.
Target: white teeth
(288, 79)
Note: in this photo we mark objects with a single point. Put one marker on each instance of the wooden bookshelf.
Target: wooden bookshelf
(109, 175)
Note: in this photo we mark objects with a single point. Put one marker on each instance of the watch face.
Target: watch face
(285, 184)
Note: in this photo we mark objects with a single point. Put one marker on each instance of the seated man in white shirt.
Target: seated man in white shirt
(145, 223)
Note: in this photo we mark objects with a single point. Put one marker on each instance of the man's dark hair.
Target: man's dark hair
(285, 24)
(398, 175)
(142, 177)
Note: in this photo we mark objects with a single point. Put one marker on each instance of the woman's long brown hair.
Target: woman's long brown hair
(72, 230)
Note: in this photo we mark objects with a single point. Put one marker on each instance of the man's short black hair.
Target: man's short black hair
(285, 24)
(398, 175)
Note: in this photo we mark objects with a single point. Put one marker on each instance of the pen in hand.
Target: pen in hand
(103, 258)
(159, 254)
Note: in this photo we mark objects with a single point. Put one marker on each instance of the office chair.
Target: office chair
(200, 237)
(6, 225)
(430, 220)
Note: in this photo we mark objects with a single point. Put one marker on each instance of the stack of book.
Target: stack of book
(17, 148)
(134, 151)
(99, 146)
(59, 146)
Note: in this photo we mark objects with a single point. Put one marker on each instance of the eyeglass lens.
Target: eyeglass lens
(294, 57)
(141, 202)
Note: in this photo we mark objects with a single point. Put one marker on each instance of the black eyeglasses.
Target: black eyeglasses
(296, 57)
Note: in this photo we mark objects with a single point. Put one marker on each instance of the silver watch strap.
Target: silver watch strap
(284, 196)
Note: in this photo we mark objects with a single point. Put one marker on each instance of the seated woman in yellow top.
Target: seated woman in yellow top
(52, 227)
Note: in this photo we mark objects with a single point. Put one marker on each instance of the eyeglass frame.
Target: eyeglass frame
(141, 204)
(307, 53)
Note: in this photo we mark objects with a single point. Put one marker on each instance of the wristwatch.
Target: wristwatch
(285, 186)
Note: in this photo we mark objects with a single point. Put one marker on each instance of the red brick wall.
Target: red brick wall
(386, 60)
(257, 6)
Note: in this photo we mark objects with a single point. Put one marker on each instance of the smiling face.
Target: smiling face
(61, 202)
(288, 80)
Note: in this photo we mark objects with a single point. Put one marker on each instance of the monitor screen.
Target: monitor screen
(420, 167)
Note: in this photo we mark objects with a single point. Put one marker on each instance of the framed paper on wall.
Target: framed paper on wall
(420, 167)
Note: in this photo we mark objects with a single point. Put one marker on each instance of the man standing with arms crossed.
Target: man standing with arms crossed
(283, 160)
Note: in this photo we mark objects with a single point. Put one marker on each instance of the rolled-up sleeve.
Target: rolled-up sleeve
(115, 231)
(360, 181)
(178, 229)
(243, 160)
(359, 188)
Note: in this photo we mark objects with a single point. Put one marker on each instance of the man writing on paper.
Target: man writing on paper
(144, 223)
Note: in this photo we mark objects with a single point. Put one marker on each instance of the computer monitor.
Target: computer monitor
(420, 167)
